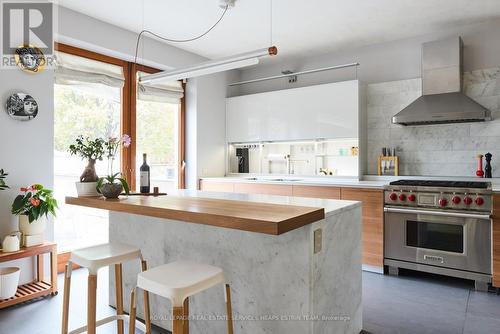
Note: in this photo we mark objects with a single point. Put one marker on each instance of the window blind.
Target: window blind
(75, 70)
(168, 92)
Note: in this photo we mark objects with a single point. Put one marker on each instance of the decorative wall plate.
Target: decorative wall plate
(30, 59)
(21, 106)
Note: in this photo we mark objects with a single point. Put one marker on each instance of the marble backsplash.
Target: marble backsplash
(447, 149)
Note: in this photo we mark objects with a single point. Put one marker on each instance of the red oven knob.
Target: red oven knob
(402, 197)
(412, 198)
(443, 202)
(456, 200)
(467, 200)
(479, 201)
(393, 197)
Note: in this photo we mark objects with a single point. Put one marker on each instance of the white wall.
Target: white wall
(206, 148)
(26, 148)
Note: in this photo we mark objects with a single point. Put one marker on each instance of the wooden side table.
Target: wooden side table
(39, 287)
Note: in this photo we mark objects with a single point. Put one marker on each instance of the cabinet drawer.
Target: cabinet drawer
(227, 187)
(316, 192)
(373, 223)
(266, 189)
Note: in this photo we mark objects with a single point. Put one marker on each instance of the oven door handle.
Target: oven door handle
(439, 213)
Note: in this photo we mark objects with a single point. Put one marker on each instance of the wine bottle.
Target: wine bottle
(145, 176)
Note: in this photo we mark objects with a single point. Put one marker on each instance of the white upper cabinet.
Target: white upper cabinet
(321, 111)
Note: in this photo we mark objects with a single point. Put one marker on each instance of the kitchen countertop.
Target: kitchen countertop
(250, 212)
(303, 181)
(371, 181)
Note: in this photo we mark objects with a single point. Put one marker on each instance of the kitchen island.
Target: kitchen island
(294, 264)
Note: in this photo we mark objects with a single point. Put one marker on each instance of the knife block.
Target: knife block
(384, 161)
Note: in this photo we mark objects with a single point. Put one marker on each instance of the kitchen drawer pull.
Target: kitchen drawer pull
(439, 213)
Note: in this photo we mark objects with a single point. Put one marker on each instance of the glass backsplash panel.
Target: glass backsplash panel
(339, 157)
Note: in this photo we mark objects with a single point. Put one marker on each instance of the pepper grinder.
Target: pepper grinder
(487, 167)
(479, 171)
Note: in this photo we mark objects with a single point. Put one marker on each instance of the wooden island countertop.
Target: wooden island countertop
(243, 215)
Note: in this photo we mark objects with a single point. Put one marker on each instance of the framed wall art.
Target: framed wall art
(30, 59)
(21, 107)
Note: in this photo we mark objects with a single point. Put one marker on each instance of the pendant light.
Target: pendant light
(214, 66)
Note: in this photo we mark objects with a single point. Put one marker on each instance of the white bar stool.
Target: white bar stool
(178, 281)
(93, 258)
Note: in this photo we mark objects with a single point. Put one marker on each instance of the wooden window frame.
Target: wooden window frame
(181, 134)
(128, 119)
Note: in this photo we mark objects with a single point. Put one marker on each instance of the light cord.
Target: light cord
(145, 31)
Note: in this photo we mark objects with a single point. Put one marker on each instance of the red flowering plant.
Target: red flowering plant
(35, 202)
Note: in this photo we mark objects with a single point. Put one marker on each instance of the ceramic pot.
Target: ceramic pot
(36, 227)
(86, 189)
(111, 190)
(11, 243)
(9, 279)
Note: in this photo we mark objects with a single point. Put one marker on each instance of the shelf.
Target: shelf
(39, 287)
(27, 292)
(335, 155)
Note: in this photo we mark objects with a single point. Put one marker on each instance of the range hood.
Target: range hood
(442, 100)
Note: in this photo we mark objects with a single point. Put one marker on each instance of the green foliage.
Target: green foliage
(112, 179)
(158, 141)
(36, 202)
(80, 112)
(87, 148)
(3, 175)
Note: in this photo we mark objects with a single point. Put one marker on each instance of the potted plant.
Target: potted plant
(33, 208)
(112, 185)
(3, 175)
(91, 150)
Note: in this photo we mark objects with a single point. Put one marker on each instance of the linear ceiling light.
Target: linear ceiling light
(212, 66)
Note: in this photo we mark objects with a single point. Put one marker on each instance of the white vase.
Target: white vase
(9, 279)
(86, 189)
(36, 227)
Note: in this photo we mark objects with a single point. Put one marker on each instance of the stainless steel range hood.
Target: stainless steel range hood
(442, 100)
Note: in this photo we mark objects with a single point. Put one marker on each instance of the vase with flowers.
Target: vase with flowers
(34, 206)
(112, 185)
(91, 150)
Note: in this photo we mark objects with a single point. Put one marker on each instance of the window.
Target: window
(99, 96)
(159, 105)
(88, 102)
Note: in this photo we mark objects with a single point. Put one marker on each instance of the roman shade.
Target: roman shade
(71, 70)
(167, 92)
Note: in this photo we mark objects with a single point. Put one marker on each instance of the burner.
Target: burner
(448, 184)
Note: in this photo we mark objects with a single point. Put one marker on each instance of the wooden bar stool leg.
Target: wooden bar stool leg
(91, 304)
(67, 290)
(131, 325)
(177, 323)
(229, 309)
(147, 313)
(185, 316)
(119, 296)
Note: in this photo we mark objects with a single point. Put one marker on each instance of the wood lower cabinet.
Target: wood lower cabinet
(372, 215)
(265, 189)
(373, 223)
(221, 186)
(496, 240)
(316, 192)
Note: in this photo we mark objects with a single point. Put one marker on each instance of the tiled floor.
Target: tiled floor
(407, 304)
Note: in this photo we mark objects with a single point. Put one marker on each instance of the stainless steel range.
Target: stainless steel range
(442, 227)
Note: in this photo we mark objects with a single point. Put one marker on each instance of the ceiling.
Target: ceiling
(299, 27)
